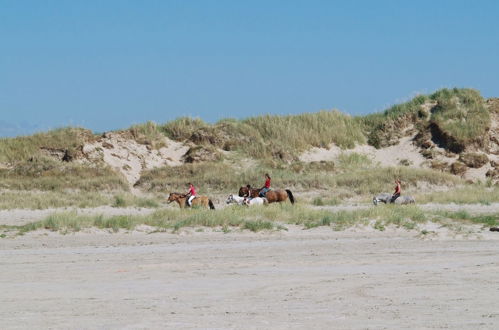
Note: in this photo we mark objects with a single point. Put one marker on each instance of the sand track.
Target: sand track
(300, 279)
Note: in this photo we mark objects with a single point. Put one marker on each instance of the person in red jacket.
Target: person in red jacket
(266, 187)
(191, 194)
(397, 192)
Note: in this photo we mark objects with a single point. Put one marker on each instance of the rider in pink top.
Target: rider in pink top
(191, 194)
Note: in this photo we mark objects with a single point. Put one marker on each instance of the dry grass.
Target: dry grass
(255, 219)
(271, 136)
(470, 194)
(13, 150)
(73, 198)
(47, 174)
(359, 181)
(461, 114)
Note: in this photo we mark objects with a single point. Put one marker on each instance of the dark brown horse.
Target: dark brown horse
(181, 199)
(272, 196)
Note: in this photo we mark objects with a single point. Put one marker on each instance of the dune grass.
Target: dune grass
(47, 174)
(300, 132)
(360, 181)
(254, 219)
(38, 200)
(21, 148)
(148, 133)
(490, 220)
(469, 194)
(378, 127)
(272, 217)
(461, 114)
(270, 136)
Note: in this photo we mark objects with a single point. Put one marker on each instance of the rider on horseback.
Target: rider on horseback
(396, 194)
(191, 194)
(266, 187)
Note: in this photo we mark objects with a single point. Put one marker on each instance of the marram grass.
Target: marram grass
(273, 217)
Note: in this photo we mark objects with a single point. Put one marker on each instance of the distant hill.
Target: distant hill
(450, 131)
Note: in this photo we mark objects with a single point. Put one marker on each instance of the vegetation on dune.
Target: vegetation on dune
(271, 136)
(149, 133)
(52, 199)
(469, 194)
(255, 219)
(303, 131)
(452, 117)
(356, 180)
(22, 148)
(460, 116)
(47, 174)
(384, 128)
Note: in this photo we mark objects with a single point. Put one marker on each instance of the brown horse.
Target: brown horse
(272, 195)
(181, 199)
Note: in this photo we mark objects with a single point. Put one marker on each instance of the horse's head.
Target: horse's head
(173, 197)
(244, 191)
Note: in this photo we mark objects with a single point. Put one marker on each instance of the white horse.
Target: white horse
(386, 198)
(235, 199)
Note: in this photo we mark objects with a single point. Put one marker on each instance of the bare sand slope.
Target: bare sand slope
(314, 279)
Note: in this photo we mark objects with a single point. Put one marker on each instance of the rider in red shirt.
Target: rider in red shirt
(397, 192)
(191, 194)
(266, 187)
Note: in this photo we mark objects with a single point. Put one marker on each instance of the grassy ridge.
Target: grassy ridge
(271, 136)
(255, 219)
(72, 198)
(22, 148)
(466, 195)
(353, 181)
(274, 141)
(459, 115)
(47, 174)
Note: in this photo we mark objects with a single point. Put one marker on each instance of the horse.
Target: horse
(246, 201)
(181, 199)
(386, 198)
(271, 195)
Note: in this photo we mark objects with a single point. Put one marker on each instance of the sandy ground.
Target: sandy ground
(299, 279)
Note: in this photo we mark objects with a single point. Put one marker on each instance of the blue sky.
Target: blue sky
(109, 64)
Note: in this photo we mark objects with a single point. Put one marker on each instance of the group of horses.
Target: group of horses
(251, 196)
(247, 196)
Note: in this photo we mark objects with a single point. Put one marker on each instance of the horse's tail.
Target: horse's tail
(210, 203)
(290, 195)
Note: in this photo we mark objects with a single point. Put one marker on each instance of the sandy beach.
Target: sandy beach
(300, 279)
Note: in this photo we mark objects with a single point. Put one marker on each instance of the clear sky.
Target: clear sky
(109, 64)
